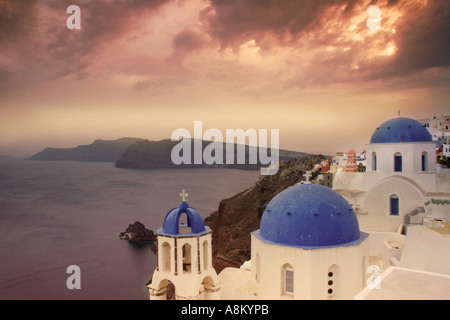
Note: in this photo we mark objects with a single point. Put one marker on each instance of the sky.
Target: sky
(320, 72)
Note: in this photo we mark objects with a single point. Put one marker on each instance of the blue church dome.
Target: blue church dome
(172, 220)
(309, 215)
(401, 130)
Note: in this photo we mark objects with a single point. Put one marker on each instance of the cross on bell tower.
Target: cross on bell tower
(183, 195)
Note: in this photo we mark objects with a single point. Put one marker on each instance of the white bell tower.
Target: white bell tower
(184, 257)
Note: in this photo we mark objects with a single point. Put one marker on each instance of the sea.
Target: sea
(58, 214)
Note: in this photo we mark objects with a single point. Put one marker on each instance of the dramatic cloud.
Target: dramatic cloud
(330, 40)
(237, 21)
(101, 21)
(4, 77)
(186, 42)
(230, 63)
(422, 38)
(37, 34)
(16, 19)
(310, 42)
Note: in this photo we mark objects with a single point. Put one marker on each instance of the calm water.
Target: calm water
(57, 214)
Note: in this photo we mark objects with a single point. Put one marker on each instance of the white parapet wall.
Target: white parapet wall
(427, 249)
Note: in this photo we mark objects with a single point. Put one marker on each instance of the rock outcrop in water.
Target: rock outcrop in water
(240, 215)
(137, 233)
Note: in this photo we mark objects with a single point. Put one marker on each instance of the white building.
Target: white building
(297, 253)
(341, 158)
(400, 185)
(184, 258)
(310, 244)
(438, 127)
(423, 269)
(446, 150)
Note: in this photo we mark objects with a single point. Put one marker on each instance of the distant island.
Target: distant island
(136, 153)
(147, 154)
(98, 151)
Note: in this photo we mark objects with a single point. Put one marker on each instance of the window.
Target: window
(333, 282)
(374, 161)
(205, 255)
(288, 285)
(186, 251)
(330, 283)
(165, 257)
(398, 162)
(394, 205)
(424, 161)
(184, 225)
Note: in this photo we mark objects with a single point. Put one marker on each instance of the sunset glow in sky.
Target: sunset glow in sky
(143, 68)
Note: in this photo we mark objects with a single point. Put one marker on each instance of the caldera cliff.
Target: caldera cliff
(240, 215)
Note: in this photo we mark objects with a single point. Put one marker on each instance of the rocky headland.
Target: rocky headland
(136, 153)
(240, 215)
(98, 151)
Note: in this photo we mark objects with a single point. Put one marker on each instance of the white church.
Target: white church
(310, 244)
(401, 184)
(184, 257)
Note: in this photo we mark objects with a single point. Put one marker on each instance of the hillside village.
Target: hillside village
(367, 225)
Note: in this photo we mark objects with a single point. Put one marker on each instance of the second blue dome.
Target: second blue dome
(309, 215)
(401, 130)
